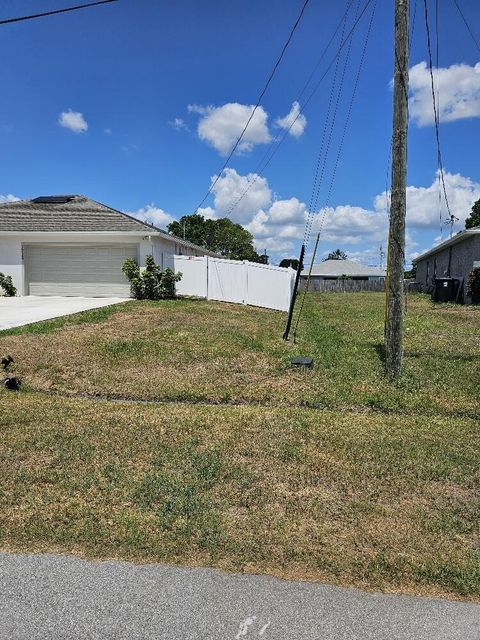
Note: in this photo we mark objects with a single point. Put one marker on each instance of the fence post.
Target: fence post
(245, 282)
(207, 276)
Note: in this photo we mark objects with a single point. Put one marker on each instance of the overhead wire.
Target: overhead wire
(260, 97)
(33, 16)
(280, 138)
(435, 110)
(472, 35)
(337, 160)
(325, 148)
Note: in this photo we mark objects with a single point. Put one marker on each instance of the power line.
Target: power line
(270, 77)
(435, 111)
(318, 182)
(467, 25)
(280, 138)
(55, 12)
(337, 159)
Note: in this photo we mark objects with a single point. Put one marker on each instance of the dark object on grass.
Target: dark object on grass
(303, 361)
(13, 384)
(6, 362)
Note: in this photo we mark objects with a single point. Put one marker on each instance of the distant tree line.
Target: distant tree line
(221, 236)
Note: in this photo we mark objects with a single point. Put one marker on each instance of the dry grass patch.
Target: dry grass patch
(381, 502)
(205, 351)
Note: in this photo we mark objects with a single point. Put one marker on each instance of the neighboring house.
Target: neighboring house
(74, 246)
(454, 258)
(339, 269)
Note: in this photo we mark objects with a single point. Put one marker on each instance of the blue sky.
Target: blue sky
(135, 104)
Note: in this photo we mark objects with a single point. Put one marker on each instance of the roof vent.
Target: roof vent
(53, 199)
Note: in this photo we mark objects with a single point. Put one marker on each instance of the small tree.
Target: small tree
(473, 219)
(6, 284)
(150, 283)
(221, 235)
(411, 274)
(290, 262)
(338, 254)
(473, 285)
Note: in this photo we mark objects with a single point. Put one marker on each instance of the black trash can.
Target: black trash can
(445, 290)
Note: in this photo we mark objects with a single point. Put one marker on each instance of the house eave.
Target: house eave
(41, 234)
(460, 237)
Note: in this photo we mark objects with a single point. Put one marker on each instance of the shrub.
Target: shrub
(473, 285)
(6, 284)
(150, 283)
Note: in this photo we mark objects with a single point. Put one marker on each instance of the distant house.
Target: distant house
(75, 246)
(343, 275)
(339, 269)
(454, 258)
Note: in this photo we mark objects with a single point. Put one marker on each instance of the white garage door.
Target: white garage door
(88, 270)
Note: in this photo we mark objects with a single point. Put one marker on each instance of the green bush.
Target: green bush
(150, 283)
(6, 284)
(473, 285)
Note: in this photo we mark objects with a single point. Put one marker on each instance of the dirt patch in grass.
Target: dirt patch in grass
(205, 351)
(380, 502)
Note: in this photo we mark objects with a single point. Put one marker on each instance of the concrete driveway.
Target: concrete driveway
(15, 312)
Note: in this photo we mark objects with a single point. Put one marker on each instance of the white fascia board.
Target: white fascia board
(460, 237)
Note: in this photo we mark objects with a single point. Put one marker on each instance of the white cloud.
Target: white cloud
(423, 202)
(251, 192)
(9, 198)
(208, 213)
(153, 215)
(73, 120)
(458, 88)
(294, 121)
(198, 108)
(178, 124)
(283, 211)
(107, 132)
(279, 224)
(222, 126)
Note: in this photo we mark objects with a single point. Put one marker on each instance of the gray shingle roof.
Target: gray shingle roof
(77, 214)
(338, 268)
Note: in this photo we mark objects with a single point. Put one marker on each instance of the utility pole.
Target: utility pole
(396, 245)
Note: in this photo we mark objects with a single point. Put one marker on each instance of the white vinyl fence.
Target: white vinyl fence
(260, 285)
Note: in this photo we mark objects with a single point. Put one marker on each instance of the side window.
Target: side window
(428, 272)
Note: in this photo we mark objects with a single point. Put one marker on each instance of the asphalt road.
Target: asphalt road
(53, 597)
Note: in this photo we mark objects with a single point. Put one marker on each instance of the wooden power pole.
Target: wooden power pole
(396, 243)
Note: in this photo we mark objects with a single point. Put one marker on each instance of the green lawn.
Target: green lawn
(333, 474)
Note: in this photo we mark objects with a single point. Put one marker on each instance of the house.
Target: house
(75, 246)
(455, 258)
(341, 269)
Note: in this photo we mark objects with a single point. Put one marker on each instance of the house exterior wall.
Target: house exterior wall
(162, 249)
(11, 252)
(11, 263)
(463, 255)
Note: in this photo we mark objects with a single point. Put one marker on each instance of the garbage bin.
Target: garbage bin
(445, 290)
